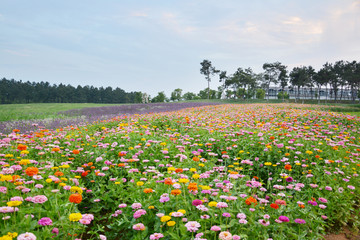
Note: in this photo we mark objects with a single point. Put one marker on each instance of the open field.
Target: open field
(230, 171)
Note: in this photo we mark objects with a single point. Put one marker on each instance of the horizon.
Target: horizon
(158, 46)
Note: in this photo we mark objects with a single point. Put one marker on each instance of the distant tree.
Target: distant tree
(176, 95)
(189, 96)
(260, 93)
(206, 94)
(298, 78)
(160, 97)
(208, 70)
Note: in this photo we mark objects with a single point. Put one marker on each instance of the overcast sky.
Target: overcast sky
(157, 45)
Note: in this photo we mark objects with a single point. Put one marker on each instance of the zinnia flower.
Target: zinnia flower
(139, 227)
(75, 198)
(225, 236)
(26, 236)
(45, 221)
(192, 226)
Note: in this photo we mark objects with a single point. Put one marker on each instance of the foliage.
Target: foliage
(255, 171)
(176, 95)
(260, 93)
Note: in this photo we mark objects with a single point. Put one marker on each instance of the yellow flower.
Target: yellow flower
(77, 177)
(151, 207)
(24, 161)
(74, 217)
(54, 168)
(182, 211)
(192, 170)
(117, 183)
(165, 218)
(49, 180)
(24, 152)
(63, 179)
(140, 183)
(268, 164)
(64, 166)
(62, 184)
(5, 178)
(76, 189)
(163, 144)
(183, 180)
(14, 203)
(171, 223)
(6, 237)
(201, 165)
(13, 235)
(171, 169)
(212, 204)
(196, 176)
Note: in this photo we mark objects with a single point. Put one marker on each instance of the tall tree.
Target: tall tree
(208, 70)
(274, 72)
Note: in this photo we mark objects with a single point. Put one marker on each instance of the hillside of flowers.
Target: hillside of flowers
(225, 172)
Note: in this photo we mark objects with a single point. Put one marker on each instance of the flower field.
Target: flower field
(226, 172)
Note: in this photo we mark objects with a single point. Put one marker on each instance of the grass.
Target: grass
(40, 110)
(10, 112)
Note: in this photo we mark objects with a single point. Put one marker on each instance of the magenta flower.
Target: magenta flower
(45, 221)
(139, 227)
(284, 219)
(300, 221)
(196, 202)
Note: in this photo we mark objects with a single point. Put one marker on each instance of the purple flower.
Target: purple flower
(284, 219)
(289, 179)
(55, 230)
(45, 221)
(300, 221)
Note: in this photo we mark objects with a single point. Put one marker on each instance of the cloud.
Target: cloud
(139, 14)
(177, 24)
(17, 53)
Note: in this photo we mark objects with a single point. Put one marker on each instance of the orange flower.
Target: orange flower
(175, 192)
(31, 171)
(274, 206)
(16, 130)
(179, 170)
(251, 200)
(59, 174)
(192, 187)
(301, 206)
(121, 165)
(168, 181)
(76, 151)
(55, 149)
(21, 147)
(75, 198)
(148, 190)
(196, 159)
(84, 174)
(287, 167)
(272, 137)
(121, 154)
(90, 163)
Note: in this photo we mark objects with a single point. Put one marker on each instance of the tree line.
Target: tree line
(12, 91)
(244, 83)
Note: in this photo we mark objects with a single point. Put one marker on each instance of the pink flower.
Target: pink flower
(156, 236)
(136, 205)
(39, 199)
(264, 222)
(123, 205)
(197, 202)
(102, 237)
(45, 221)
(139, 227)
(192, 226)
(215, 228)
(26, 236)
(221, 205)
(225, 236)
(236, 237)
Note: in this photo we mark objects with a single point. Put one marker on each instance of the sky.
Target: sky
(157, 45)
